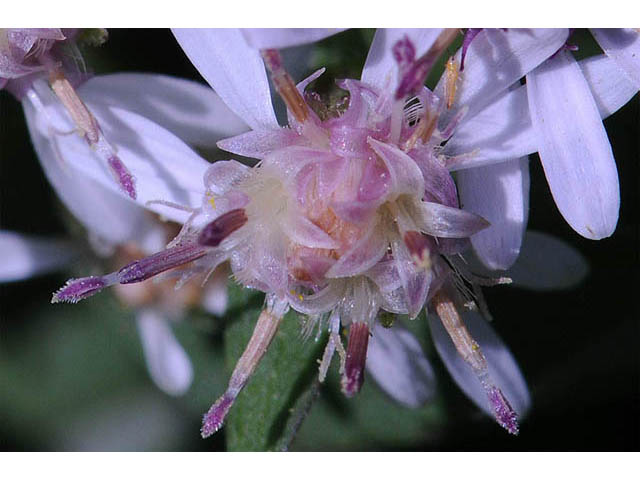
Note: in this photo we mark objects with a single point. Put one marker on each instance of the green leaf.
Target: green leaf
(258, 419)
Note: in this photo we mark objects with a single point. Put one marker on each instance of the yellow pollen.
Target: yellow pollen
(212, 202)
(299, 295)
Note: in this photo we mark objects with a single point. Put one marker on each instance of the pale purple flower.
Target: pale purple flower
(28, 56)
(167, 361)
(574, 148)
(345, 215)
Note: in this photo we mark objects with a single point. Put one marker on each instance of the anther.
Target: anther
(88, 126)
(285, 86)
(151, 266)
(415, 75)
(138, 271)
(470, 351)
(469, 35)
(451, 81)
(223, 226)
(263, 333)
(353, 377)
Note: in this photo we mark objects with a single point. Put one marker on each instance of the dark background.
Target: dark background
(577, 348)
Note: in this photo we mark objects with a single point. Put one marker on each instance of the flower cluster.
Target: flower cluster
(352, 213)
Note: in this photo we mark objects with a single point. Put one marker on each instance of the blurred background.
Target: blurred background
(74, 377)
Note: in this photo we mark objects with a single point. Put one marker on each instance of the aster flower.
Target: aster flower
(337, 205)
(583, 182)
(112, 221)
(29, 54)
(155, 310)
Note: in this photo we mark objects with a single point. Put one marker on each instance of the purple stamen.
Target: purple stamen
(504, 413)
(78, 289)
(124, 177)
(404, 53)
(414, 75)
(469, 35)
(214, 418)
(265, 329)
(223, 226)
(148, 267)
(81, 288)
(356, 357)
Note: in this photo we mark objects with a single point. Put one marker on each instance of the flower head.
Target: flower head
(346, 216)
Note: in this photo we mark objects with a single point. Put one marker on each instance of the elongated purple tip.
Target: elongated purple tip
(223, 226)
(125, 179)
(356, 358)
(214, 418)
(78, 289)
(505, 415)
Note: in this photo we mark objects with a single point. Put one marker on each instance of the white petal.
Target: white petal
(574, 148)
(547, 263)
(216, 296)
(399, 366)
(286, 37)
(101, 209)
(380, 67)
(190, 110)
(502, 366)
(503, 129)
(25, 256)
(234, 70)
(622, 45)
(496, 59)
(448, 222)
(165, 168)
(499, 132)
(610, 89)
(168, 363)
(500, 194)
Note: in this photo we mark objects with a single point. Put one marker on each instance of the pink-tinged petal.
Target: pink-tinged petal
(622, 45)
(169, 365)
(224, 175)
(385, 275)
(439, 184)
(399, 366)
(164, 167)
(26, 256)
(574, 148)
(406, 177)
(380, 69)
(363, 255)
(101, 208)
(447, 222)
(610, 89)
(353, 211)
(547, 263)
(234, 70)
(323, 301)
(415, 282)
(188, 109)
(286, 37)
(496, 59)
(260, 143)
(499, 193)
(304, 232)
(502, 366)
